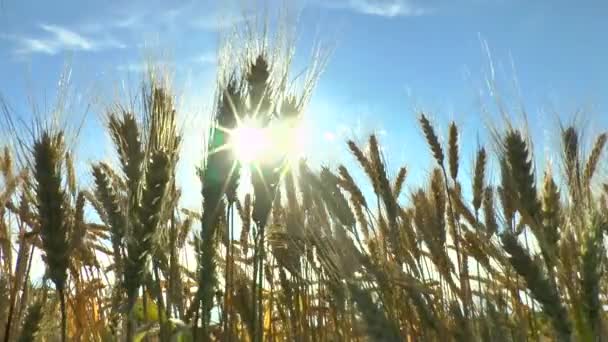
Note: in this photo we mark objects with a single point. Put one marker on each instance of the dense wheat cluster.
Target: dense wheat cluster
(308, 254)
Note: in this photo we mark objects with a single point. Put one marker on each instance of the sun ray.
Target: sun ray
(219, 149)
(234, 109)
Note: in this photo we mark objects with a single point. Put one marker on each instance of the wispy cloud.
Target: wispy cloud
(202, 60)
(168, 20)
(116, 22)
(217, 21)
(62, 37)
(57, 39)
(383, 8)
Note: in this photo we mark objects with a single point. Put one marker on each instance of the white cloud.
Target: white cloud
(66, 38)
(192, 15)
(117, 22)
(36, 45)
(383, 8)
(217, 21)
(60, 39)
(202, 60)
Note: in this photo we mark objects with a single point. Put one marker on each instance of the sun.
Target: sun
(253, 143)
(250, 142)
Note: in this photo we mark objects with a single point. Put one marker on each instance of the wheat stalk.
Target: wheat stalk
(48, 151)
(453, 150)
(479, 179)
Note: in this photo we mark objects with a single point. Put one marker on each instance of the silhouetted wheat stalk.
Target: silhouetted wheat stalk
(48, 151)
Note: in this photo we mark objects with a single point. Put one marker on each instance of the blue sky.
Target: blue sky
(392, 58)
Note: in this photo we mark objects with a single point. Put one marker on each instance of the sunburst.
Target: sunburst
(253, 144)
(250, 142)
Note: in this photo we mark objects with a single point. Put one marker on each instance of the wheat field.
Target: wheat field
(306, 254)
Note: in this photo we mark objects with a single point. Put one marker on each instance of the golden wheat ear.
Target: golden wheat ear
(383, 188)
(521, 172)
(6, 163)
(571, 161)
(48, 152)
(125, 133)
(432, 139)
(364, 162)
(479, 179)
(399, 181)
(489, 212)
(552, 212)
(112, 207)
(453, 150)
(593, 161)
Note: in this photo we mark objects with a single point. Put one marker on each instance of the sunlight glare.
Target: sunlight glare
(250, 142)
(292, 139)
(280, 140)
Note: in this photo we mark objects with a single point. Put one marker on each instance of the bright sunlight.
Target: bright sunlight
(252, 143)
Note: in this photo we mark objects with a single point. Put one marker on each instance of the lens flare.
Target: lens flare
(250, 142)
(279, 140)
